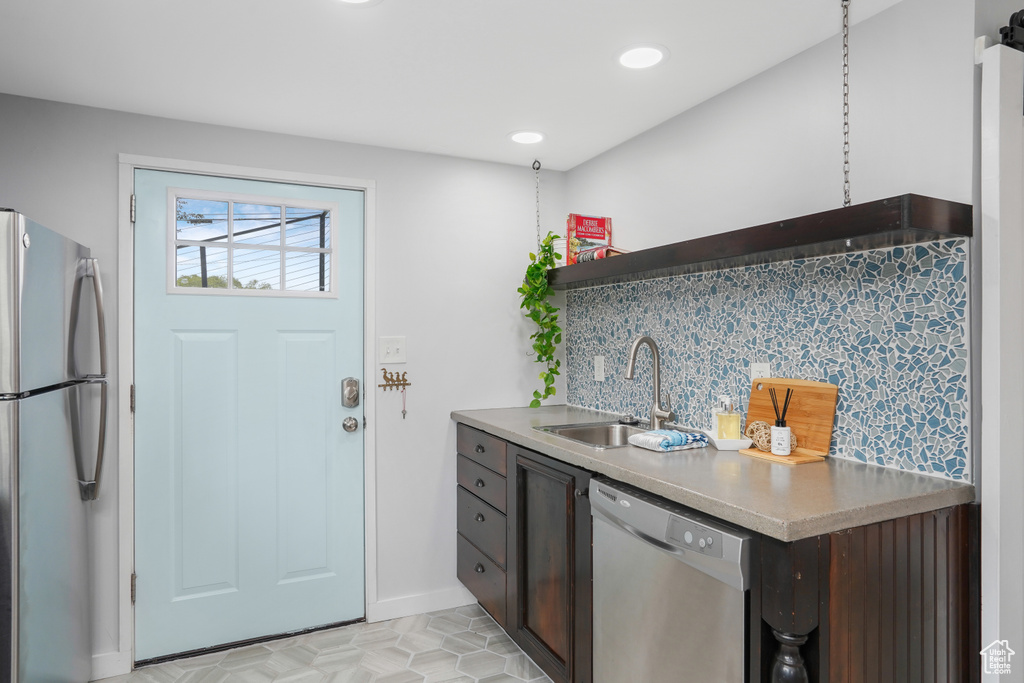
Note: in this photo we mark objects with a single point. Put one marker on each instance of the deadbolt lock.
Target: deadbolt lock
(350, 392)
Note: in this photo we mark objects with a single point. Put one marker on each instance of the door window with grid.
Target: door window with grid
(236, 244)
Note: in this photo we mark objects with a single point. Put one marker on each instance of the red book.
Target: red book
(586, 232)
(599, 253)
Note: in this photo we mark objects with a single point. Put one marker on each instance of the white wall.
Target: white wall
(452, 242)
(771, 148)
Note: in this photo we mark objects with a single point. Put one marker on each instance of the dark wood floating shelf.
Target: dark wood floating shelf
(906, 219)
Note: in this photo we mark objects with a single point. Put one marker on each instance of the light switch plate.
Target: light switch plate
(391, 350)
(599, 368)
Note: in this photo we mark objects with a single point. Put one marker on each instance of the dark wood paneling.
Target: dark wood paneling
(905, 219)
(839, 604)
(887, 596)
(482, 482)
(483, 525)
(970, 521)
(902, 590)
(900, 600)
(549, 570)
(817, 654)
(915, 613)
(858, 621)
(545, 560)
(485, 449)
(483, 578)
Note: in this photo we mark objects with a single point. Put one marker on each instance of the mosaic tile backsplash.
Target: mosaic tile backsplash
(888, 326)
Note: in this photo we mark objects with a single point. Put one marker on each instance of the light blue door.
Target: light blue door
(248, 490)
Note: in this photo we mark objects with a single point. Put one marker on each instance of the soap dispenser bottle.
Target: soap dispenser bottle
(727, 419)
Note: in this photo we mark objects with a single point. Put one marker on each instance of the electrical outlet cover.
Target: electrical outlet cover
(759, 370)
(599, 368)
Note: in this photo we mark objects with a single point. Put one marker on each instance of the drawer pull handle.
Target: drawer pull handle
(479, 517)
(480, 448)
(480, 483)
(479, 568)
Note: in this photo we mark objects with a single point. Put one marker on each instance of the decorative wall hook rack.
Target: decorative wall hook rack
(392, 380)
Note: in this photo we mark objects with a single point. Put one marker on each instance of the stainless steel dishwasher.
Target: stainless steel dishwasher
(671, 591)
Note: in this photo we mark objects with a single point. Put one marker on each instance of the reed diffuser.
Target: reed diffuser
(781, 435)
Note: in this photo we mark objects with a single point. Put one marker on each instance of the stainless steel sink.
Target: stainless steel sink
(598, 435)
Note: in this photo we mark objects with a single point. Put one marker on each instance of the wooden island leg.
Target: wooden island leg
(789, 603)
(789, 666)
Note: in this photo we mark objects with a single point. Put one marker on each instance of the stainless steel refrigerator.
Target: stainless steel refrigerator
(53, 396)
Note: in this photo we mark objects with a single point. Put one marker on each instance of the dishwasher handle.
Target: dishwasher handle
(664, 525)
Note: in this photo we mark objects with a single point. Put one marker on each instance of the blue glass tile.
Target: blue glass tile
(888, 326)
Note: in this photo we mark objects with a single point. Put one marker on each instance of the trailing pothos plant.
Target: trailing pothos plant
(535, 293)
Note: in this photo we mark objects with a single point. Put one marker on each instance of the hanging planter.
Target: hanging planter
(535, 293)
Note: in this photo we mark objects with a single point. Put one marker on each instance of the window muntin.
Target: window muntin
(255, 246)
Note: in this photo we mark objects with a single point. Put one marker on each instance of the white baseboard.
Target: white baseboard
(111, 664)
(409, 605)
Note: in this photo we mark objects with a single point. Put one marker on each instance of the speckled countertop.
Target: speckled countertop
(783, 501)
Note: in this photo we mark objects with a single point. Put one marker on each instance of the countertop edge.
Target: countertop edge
(784, 530)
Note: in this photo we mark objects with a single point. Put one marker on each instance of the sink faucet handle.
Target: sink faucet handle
(666, 402)
(666, 408)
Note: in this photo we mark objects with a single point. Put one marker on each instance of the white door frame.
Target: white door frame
(127, 164)
(1002, 364)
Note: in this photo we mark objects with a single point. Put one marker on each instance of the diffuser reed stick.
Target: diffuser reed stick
(781, 435)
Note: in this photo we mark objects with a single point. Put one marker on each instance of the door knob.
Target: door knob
(350, 424)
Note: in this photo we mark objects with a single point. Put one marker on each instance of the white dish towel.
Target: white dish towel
(665, 440)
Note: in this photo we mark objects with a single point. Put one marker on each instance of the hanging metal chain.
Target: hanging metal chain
(846, 102)
(536, 173)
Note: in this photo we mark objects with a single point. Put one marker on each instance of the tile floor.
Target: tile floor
(462, 645)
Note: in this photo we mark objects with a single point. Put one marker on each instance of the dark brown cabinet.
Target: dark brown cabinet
(525, 551)
(549, 574)
(482, 524)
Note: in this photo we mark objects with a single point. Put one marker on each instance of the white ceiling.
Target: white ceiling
(446, 76)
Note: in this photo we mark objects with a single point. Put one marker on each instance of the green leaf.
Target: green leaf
(534, 293)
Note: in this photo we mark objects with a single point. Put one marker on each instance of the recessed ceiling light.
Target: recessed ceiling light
(526, 137)
(361, 2)
(642, 56)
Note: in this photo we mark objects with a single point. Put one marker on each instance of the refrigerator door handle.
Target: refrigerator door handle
(90, 268)
(90, 489)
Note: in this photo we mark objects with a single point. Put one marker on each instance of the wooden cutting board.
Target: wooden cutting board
(812, 410)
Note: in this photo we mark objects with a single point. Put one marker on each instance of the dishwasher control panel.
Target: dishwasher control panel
(685, 533)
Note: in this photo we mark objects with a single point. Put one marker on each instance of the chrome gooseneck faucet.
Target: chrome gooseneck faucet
(658, 415)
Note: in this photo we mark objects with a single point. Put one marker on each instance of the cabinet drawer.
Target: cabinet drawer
(482, 525)
(483, 578)
(482, 482)
(485, 449)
